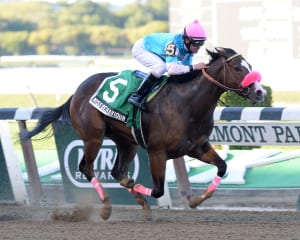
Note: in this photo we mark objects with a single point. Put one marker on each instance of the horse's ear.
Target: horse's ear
(208, 51)
(220, 50)
(213, 54)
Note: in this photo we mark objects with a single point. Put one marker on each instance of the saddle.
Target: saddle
(111, 99)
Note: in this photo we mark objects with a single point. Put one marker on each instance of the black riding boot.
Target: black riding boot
(138, 96)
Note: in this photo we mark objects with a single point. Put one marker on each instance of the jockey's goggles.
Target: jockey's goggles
(197, 42)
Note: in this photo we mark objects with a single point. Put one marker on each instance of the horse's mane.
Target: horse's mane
(213, 54)
(182, 78)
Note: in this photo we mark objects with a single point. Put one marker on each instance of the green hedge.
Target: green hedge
(231, 99)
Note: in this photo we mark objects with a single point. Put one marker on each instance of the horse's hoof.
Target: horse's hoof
(194, 201)
(146, 208)
(147, 212)
(148, 216)
(105, 212)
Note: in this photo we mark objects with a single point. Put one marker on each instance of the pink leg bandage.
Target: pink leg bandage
(98, 188)
(214, 184)
(142, 190)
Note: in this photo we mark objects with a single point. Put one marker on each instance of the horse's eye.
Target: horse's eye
(237, 68)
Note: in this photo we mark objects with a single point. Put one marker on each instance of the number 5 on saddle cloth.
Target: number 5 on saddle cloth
(111, 97)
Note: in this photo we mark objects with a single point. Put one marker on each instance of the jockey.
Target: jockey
(167, 52)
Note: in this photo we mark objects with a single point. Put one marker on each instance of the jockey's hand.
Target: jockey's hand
(199, 66)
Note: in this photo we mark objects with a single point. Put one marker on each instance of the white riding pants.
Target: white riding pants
(155, 63)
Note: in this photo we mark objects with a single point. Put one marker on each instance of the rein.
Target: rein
(210, 78)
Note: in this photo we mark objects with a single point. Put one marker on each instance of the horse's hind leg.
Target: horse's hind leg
(91, 149)
(126, 153)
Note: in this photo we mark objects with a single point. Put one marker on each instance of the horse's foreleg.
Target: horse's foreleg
(86, 167)
(209, 156)
(196, 200)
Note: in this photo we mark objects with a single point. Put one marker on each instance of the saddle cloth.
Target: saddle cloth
(111, 96)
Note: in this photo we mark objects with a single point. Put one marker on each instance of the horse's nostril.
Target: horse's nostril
(258, 93)
(261, 93)
(259, 96)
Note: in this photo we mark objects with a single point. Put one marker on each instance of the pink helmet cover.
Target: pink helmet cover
(195, 30)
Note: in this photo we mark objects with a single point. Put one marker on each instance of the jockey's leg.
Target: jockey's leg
(149, 60)
(137, 97)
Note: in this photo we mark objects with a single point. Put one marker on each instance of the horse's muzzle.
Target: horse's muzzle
(258, 93)
(254, 92)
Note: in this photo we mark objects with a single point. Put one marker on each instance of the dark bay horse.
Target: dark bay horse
(178, 122)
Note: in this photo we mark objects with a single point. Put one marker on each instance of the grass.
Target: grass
(287, 97)
(42, 141)
(25, 100)
(36, 100)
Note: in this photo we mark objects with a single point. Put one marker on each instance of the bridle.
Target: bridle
(240, 91)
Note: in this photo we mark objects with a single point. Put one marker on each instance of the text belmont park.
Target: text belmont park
(262, 133)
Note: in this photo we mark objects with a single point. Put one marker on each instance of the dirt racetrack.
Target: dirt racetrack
(74, 222)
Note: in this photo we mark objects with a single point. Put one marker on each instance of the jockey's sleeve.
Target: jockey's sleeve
(175, 68)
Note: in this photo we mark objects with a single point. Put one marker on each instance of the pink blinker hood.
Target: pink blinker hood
(250, 78)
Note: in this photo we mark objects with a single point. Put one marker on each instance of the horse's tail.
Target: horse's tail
(47, 117)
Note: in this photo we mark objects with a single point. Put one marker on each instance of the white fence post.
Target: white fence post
(182, 180)
(13, 165)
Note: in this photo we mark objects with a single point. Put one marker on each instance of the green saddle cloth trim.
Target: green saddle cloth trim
(112, 95)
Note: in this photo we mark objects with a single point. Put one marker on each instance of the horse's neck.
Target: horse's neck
(197, 98)
(207, 95)
(204, 100)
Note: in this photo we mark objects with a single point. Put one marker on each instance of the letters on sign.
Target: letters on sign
(256, 133)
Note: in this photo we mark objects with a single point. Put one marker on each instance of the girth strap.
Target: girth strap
(138, 132)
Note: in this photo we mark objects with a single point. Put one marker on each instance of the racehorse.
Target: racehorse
(178, 122)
